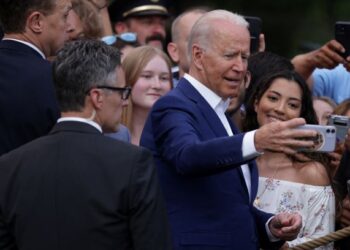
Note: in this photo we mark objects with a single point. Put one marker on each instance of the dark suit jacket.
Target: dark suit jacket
(207, 199)
(343, 175)
(28, 107)
(340, 179)
(76, 189)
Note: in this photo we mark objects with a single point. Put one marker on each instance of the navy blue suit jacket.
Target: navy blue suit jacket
(28, 108)
(199, 169)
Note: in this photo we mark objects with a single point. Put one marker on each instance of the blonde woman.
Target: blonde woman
(148, 72)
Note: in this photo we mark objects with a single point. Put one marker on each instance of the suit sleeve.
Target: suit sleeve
(182, 139)
(148, 220)
(261, 219)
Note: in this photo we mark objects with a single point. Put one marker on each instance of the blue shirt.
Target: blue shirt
(334, 83)
(122, 134)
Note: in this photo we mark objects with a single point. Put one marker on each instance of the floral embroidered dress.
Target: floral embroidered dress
(316, 205)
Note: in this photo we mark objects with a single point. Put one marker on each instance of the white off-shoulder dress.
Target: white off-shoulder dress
(316, 205)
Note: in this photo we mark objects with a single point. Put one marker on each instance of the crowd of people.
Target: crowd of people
(112, 139)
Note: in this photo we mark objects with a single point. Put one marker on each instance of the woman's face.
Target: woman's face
(323, 111)
(280, 102)
(153, 82)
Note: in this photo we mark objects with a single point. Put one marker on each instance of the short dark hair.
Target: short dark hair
(79, 66)
(307, 111)
(14, 13)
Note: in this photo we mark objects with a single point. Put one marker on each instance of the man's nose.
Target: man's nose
(158, 28)
(239, 64)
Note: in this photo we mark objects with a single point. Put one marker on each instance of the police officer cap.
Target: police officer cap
(122, 9)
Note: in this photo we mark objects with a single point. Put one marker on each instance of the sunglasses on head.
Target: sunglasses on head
(128, 37)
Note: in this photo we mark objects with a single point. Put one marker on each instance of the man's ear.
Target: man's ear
(96, 98)
(197, 56)
(120, 27)
(173, 52)
(35, 22)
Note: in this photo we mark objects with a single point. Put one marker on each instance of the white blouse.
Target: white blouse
(316, 205)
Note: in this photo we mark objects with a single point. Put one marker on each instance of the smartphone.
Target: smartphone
(255, 26)
(342, 123)
(342, 35)
(325, 139)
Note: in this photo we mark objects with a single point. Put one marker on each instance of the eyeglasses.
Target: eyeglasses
(125, 92)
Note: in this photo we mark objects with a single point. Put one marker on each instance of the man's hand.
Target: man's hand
(283, 137)
(335, 158)
(285, 226)
(345, 212)
(328, 56)
(325, 57)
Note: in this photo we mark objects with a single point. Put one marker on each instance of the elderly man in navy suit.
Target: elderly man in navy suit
(34, 30)
(206, 167)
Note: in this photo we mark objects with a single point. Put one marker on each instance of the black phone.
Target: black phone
(342, 35)
(255, 27)
(342, 123)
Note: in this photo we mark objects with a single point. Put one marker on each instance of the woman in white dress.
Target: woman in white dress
(290, 183)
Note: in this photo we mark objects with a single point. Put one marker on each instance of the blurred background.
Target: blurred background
(290, 26)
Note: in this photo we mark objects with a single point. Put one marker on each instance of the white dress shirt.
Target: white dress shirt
(79, 119)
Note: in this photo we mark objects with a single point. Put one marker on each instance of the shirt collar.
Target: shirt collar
(79, 119)
(214, 101)
(28, 44)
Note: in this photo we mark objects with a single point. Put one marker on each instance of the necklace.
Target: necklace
(269, 182)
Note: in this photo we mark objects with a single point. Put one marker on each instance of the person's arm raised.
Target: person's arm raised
(281, 136)
(328, 56)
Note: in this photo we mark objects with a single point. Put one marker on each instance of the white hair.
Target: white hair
(205, 26)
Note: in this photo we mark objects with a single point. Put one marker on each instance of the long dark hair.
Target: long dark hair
(307, 112)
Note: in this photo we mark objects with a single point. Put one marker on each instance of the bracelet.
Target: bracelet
(99, 7)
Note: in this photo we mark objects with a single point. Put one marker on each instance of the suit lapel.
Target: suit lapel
(218, 128)
(203, 106)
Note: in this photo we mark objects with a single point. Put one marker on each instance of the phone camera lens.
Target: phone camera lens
(328, 130)
(333, 131)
